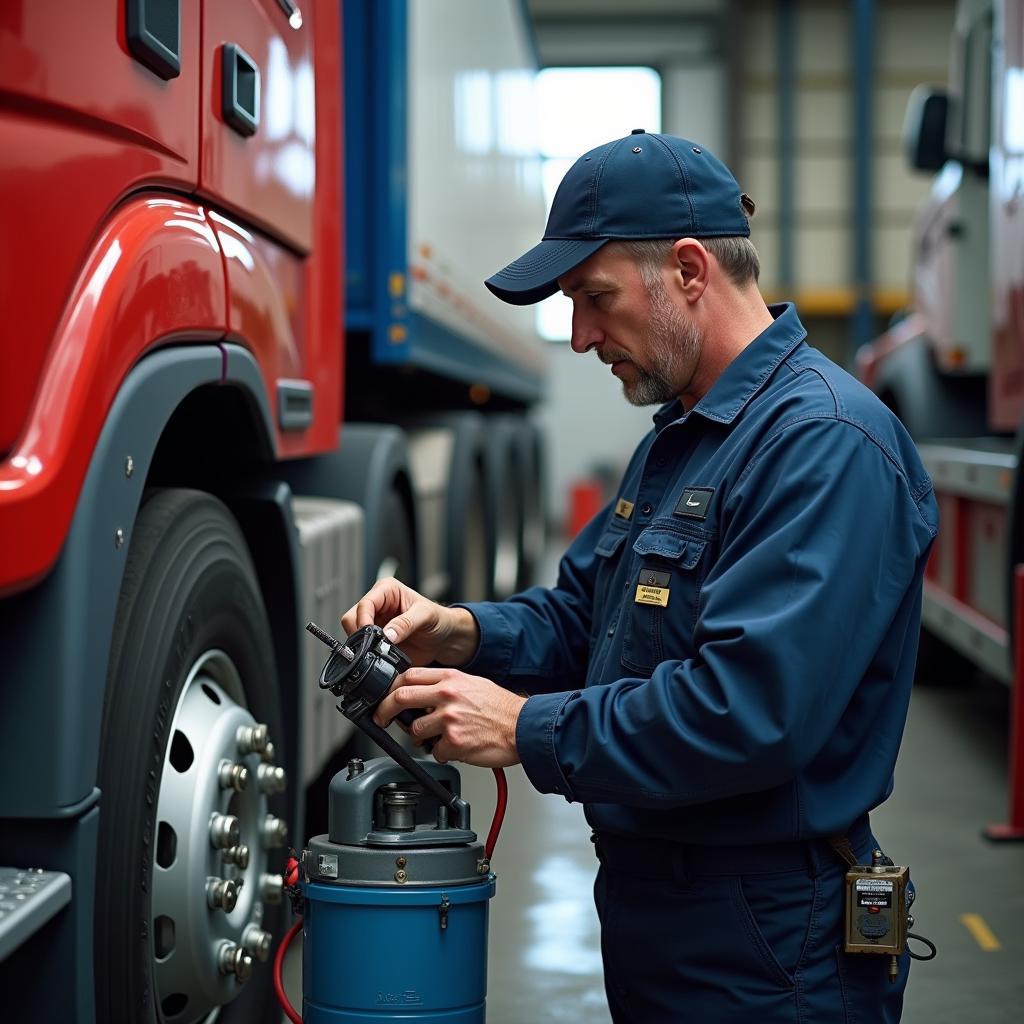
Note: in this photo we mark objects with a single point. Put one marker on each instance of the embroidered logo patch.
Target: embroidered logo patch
(653, 587)
(623, 508)
(694, 502)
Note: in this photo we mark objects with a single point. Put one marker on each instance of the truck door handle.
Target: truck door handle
(241, 93)
(153, 29)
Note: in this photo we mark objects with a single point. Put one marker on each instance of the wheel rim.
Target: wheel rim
(202, 953)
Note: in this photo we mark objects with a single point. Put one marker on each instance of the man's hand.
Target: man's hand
(473, 719)
(425, 631)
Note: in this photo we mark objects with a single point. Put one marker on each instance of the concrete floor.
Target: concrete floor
(544, 957)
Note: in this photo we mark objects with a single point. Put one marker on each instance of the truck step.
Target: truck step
(29, 897)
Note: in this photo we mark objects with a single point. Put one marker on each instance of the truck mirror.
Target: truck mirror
(924, 128)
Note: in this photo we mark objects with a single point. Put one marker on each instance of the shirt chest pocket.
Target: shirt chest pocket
(666, 575)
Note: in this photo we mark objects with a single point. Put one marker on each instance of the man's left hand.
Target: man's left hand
(470, 718)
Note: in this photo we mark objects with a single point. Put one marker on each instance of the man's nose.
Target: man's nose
(585, 333)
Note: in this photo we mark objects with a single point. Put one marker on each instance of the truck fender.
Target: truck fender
(59, 631)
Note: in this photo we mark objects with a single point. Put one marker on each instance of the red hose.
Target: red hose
(290, 1012)
(499, 812)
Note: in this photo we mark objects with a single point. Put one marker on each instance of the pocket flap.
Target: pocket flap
(610, 542)
(666, 543)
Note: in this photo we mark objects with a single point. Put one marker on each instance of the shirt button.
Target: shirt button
(645, 510)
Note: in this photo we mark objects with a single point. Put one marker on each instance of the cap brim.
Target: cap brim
(534, 276)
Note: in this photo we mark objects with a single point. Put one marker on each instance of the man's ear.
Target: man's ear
(691, 267)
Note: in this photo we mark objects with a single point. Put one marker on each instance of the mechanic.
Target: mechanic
(721, 674)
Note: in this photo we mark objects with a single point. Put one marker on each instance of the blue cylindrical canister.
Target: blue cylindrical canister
(395, 903)
(372, 954)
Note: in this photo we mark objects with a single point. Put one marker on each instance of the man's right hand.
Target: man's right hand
(426, 631)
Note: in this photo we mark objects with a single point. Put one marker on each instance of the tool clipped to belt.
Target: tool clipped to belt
(878, 901)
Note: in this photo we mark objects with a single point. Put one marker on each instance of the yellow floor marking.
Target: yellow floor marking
(981, 932)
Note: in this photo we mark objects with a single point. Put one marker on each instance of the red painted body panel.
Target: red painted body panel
(82, 124)
(155, 276)
(1006, 184)
(284, 307)
(97, 278)
(268, 178)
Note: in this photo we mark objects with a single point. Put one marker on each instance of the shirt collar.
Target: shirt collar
(747, 373)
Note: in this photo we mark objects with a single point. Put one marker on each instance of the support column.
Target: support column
(1013, 830)
(862, 326)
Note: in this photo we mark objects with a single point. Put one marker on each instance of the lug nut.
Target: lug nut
(237, 855)
(274, 832)
(257, 942)
(269, 753)
(272, 779)
(233, 776)
(271, 888)
(252, 738)
(222, 893)
(232, 959)
(224, 831)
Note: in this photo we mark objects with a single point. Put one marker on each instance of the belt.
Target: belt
(663, 859)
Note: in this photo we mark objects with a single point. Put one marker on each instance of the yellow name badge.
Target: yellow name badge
(652, 595)
(624, 508)
(652, 587)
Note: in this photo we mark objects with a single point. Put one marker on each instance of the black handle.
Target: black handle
(241, 93)
(397, 753)
(153, 30)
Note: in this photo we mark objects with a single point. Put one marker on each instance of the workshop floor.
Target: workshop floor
(544, 957)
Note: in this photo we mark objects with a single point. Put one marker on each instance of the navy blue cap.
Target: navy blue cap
(642, 186)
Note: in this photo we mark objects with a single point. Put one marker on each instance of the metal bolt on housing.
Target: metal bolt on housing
(222, 894)
(274, 832)
(272, 778)
(232, 959)
(253, 738)
(271, 888)
(233, 776)
(237, 855)
(224, 831)
(257, 942)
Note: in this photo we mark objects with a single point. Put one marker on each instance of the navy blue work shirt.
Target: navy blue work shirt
(727, 656)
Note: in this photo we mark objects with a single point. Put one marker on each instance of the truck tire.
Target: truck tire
(191, 674)
(472, 563)
(504, 503)
(534, 521)
(371, 468)
(447, 456)
(397, 551)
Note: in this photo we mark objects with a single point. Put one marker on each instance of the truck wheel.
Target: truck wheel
(504, 504)
(397, 554)
(473, 580)
(534, 536)
(185, 895)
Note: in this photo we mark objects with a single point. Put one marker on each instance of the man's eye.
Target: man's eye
(594, 296)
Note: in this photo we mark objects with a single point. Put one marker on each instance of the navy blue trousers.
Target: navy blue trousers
(685, 940)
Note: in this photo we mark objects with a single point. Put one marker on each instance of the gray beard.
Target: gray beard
(674, 342)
